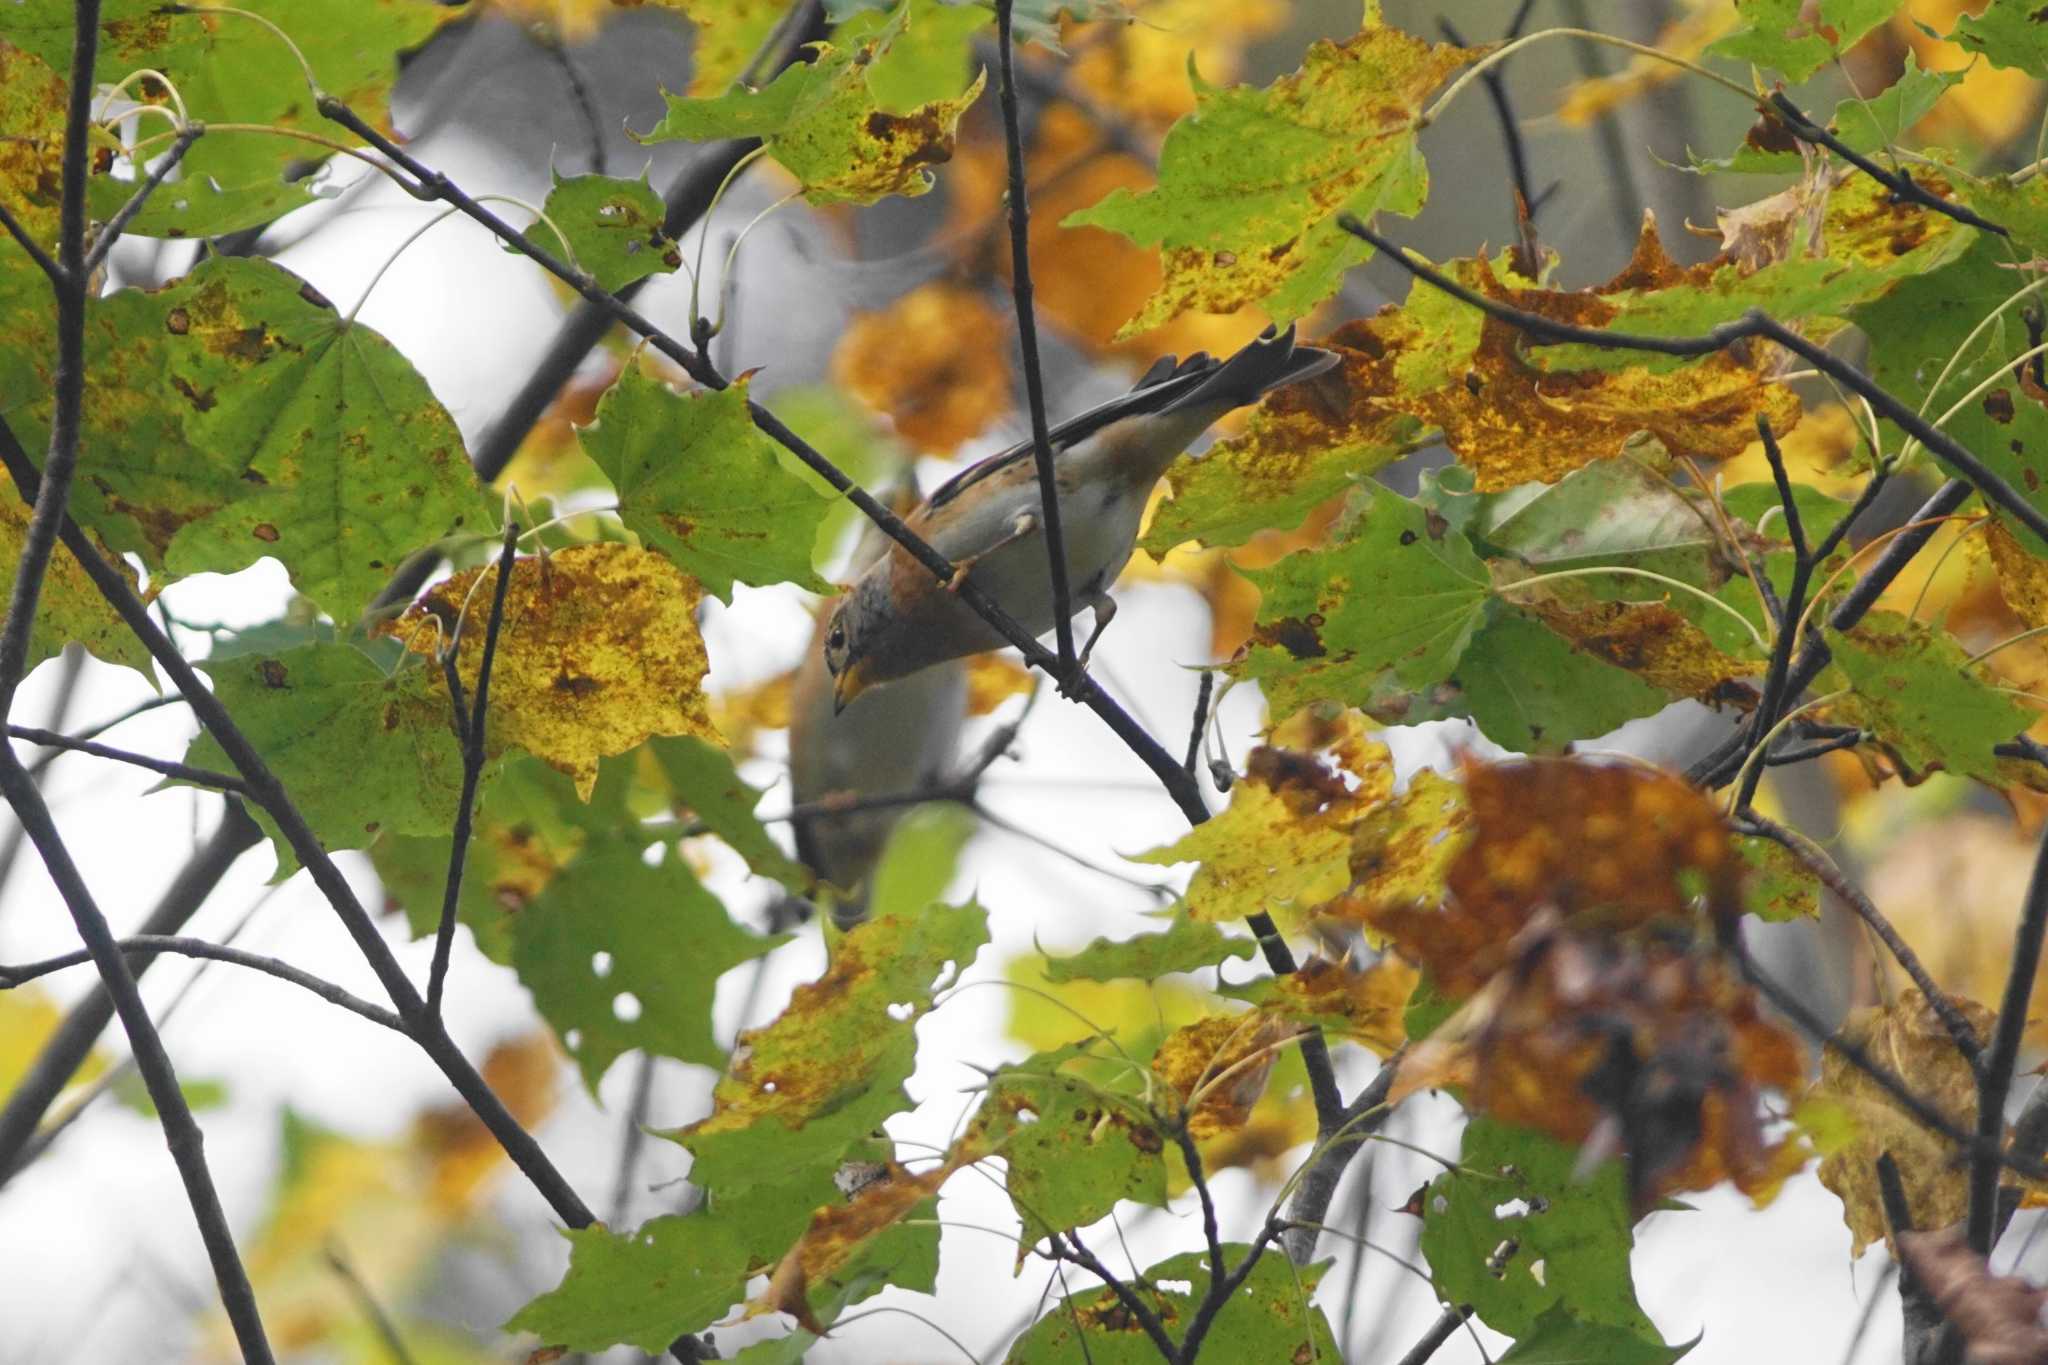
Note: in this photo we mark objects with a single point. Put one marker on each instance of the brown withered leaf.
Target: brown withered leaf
(599, 651)
(1617, 844)
(1365, 1006)
(1656, 1050)
(1649, 639)
(1907, 1038)
(1512, 422)
(925, 362)
(1218, 1067)
(1999, 1316)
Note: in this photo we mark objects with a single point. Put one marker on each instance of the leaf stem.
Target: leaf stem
(1500, 54)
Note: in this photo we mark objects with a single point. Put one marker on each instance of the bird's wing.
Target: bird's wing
(1165, 382)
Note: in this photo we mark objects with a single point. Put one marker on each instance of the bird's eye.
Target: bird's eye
(837, 639)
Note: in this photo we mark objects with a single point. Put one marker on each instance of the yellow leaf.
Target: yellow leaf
(931, 363)
(992, 680)
(1218, 1067)
(599, 652)
(1685, 34)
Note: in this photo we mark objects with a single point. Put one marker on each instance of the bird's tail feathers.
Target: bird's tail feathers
(1269, 361)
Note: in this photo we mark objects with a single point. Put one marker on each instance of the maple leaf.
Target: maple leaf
(907, 363)
(599, 652)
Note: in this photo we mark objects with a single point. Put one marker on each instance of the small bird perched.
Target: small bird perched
(898, 619)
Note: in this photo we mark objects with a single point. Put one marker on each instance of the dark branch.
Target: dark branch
(125, 215)
(1070, 1248)
(1027, 344)
(268, 792)
(67, 1049)
(471, 731)
(204, 777)
(1337, 1144)
(181, 1132)
(152, 944)
(1923, 1319)
(1201, 721)
(1904, 186)
(35, 251)
(1440, 1331)
(1777, 699)
(1755, 323)
(1994, 1078)
(1853, 896)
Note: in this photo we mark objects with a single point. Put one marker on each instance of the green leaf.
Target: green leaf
(235, 416)
(1559, 1338)
(1797, 37)
(826, 121)
(1862, 125)
(231, 69)
(360, 752)
(1336, 136)
(675, 1274)
(1572, 1236)
(2011, 33)
(729, 34)
(529, 825)
(929, 49)
(1530, 691)
(1779, 886)
(1395, 590)
(620, 955)
(918, 861)
(1921, 326)
(70, 608)
(1916, 690)
(1186, 945)
(703, 778)
(831, 1067)
(1611, 512)
(613, 226)
(848, 435)
(699, 482)
(1269, 1319)
(1073, 1149)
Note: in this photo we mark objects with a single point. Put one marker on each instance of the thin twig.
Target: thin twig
(1212, 1237)
(473, 756)
(1821, 866)
(1994, 1078)
(125, 215)
(1776, 697)
(268, 792)
(1027, 344)
(633, 1135)
(1754, 323)
(204, 777)
(66, 1049)
(151, 944)
(1184, 790)
(1903, 186)
(35, 251)
(1201, 723)
(1337, 1144)
(181, 1132)
(1440, 1331)
(380, 1321)
(1922, 1315)
(1070, 1248)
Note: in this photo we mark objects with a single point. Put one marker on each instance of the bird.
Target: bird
(893, 741)
(898, 619)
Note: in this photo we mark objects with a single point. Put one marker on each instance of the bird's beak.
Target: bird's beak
(850, 683)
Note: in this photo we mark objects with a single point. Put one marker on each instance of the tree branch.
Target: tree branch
(1754, 323)
(1071, 1249)
(1813, 860)
(1994, 1077)
(471, 733)
(181, 1133)
(1903, 186)
(1027, 343)
(1440, 1331)
(1180, 785)
(118, 224)
(67, 1048)
(203, 777)
(35, 251)
(1337, 1144)
(152, 944)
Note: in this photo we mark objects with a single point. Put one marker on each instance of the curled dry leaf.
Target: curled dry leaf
(1909, 1040)
(1218, 1067)
(599, 651)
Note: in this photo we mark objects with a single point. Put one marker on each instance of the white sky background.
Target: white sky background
(99, 1260)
